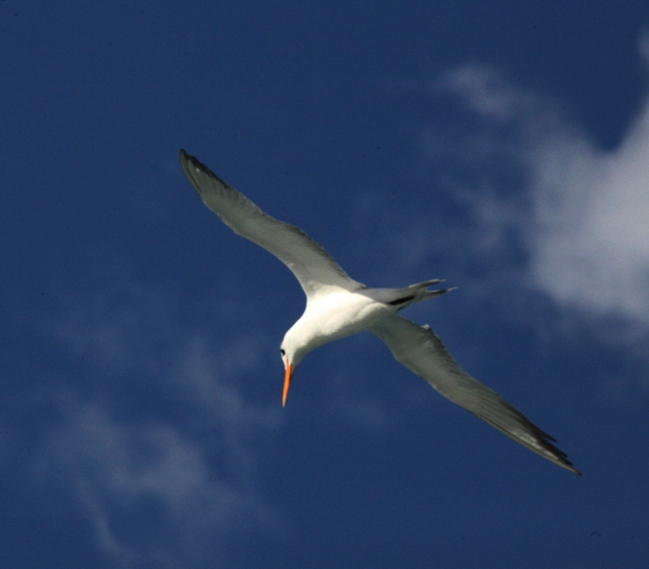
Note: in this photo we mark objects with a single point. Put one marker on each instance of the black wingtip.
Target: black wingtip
(187, 158)
(560, 456)
(546, 441)
(569, 466)
(185, 161)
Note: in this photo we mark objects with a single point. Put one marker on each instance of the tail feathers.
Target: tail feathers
(423, 294)
(417, 293)
(431, 293)
(426, 284)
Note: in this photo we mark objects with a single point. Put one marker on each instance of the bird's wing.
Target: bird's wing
(314, 268)
(421, 351)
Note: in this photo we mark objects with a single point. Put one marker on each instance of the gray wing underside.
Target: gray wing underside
(421, 351)
(314, 268)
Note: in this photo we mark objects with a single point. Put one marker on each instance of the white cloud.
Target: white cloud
(192, 476)
(590, 237)
(121, 472)
(579, 213)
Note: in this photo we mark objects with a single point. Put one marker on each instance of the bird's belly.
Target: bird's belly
(336, 318)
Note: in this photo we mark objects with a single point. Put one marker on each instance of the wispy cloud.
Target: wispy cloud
(531, 207)
(583, 220)
(122, 472)
(190, 464)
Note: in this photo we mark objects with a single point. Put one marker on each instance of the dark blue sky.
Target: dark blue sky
(502, 146)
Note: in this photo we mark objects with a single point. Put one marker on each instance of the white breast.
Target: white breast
(337, 315)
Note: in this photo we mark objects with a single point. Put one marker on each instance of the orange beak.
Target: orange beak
(287, 381)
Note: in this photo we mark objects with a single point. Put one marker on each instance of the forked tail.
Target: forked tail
(416, 293)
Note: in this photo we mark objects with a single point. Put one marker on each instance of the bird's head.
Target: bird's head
(292, 351)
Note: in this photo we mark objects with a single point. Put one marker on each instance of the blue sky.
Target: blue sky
(503, 146)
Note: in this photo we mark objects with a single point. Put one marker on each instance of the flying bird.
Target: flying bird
(338, 306)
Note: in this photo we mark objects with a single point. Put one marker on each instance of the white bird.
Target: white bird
(338, 306)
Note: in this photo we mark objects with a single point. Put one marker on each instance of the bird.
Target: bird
(338, 306)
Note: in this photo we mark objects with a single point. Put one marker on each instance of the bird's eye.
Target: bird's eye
(282, 351)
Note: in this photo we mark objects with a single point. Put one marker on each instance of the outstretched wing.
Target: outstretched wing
(421, 351)
(314, 268)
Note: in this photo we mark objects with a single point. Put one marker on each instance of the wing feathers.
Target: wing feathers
(314, 268)
(421, 351)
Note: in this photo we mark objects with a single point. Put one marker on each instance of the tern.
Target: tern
(338, 306)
